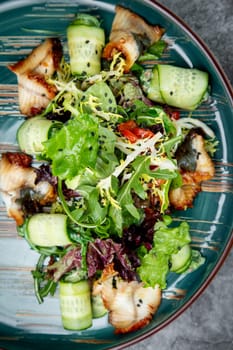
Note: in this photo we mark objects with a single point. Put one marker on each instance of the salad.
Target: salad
(104, 160)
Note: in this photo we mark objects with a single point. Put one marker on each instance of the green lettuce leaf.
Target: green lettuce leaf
(74, 147)
(167, 241)
(154, 269)
(106, 162)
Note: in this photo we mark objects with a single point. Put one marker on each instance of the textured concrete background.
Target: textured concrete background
(208, 323)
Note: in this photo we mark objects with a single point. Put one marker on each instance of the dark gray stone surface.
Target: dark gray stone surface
(208, 323)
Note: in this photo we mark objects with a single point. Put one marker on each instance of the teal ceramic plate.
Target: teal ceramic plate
(24, 323)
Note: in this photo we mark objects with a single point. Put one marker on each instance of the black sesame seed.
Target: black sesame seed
(87, 41)
(114, 282)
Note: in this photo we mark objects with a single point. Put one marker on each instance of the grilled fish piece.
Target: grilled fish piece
(195, 166)
(130, 34)
(131, 306)
(34, 91)
(17, 174)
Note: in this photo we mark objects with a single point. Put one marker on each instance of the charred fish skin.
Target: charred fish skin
(195, 166)
(17, 176)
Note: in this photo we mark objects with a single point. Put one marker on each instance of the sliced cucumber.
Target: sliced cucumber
(75, 305)
(185, 267)
(48, 230)
(153, 92)
(181, 260)
(85, 43)
(176, 86)
(182, 87)
(98, 308)
(106, 99)
(32, 133)
(197, 260)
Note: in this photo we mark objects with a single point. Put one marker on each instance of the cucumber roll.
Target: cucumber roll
(33, 132)
(86, 40)
(75, 305)
(48, 230)
(180, 87)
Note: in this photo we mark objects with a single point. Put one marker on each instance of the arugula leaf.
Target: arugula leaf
(154, 51)
(130, 213)
(148, 116)
(42, 285)
(123, 210)
(74, 147)
(157, 48)
(94, 212)
(137, 69)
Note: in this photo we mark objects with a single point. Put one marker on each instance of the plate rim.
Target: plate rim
(228, 88)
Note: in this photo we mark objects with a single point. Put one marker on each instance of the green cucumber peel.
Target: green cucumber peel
(85, 19)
